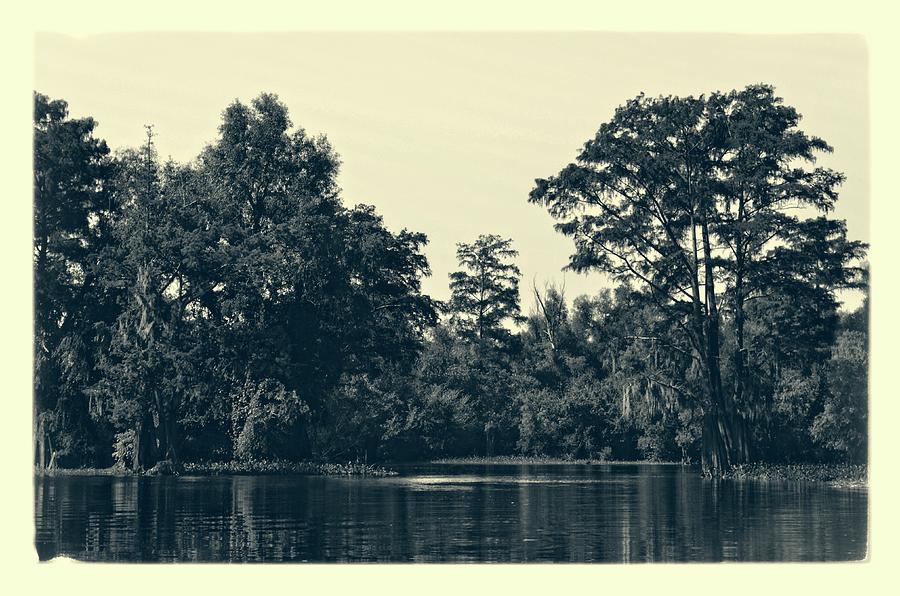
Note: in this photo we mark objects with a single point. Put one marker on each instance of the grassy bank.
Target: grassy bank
(518, 459)
(281, 467)
(842, 475)
(238, 469)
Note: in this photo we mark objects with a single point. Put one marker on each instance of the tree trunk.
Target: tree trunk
(43, 448)
(42, 444)
(724, 442)
(165, 430)
(714, 458)
(740, 355)
(169, 427)
(171, 450)
(136, 451)
(144, 448)
(489, 439)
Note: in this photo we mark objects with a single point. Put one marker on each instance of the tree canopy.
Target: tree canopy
(485, 292)
(688, 198)
(235, 308)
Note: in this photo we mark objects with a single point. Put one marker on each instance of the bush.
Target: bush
(577, 423)
(266, 421)
(123, 449)
(443, 422)
(841, 426)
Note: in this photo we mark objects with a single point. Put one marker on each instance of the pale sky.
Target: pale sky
(445, 133)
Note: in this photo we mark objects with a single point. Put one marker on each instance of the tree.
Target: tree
(389, 312)
(146, 361)
(841, 425)
(443, 415)
(311, 294)
(388, 318)
(552, 316)
(688, 198)
(485, 293)
(72, 210)
(484, 297)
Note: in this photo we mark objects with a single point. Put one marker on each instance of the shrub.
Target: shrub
(266, 420)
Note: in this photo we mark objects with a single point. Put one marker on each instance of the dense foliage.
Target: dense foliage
(234, 310)
(689, 199)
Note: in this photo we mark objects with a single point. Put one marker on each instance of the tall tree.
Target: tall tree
(310, 292)
(282, 290)
(687, 197)
(387, 318)
(151, 264)
(485, 292)
(484, 298)
(72, 210)
(385, 272)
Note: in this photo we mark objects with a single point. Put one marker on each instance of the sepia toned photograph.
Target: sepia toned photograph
(451, 297)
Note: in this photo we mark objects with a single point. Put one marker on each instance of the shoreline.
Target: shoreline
(523, 460)
(257, 468)
(840, 475)
(836, 475)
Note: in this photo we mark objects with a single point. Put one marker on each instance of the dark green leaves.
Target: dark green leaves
(485, 293)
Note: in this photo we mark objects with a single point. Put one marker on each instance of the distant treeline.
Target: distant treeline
(234, 309)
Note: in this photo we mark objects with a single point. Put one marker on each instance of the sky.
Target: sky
(445, 132)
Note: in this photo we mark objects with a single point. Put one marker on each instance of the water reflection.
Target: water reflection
(451, 513)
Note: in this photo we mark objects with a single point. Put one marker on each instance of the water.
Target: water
(451, 513)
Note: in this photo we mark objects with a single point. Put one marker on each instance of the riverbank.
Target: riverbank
(256, 468)
(281, 467)
(516, 459)
(840, 475)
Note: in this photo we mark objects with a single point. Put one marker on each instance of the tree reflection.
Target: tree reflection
(599, 513)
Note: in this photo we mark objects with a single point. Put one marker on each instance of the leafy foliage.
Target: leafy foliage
(72, 212)
(485, 293)
(264, 417)
(689, 198)
(233, 314)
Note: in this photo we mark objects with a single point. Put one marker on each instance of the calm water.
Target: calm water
(451, 513)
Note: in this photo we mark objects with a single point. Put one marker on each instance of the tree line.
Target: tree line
(235, 309)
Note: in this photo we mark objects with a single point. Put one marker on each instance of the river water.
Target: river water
(451, 513)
